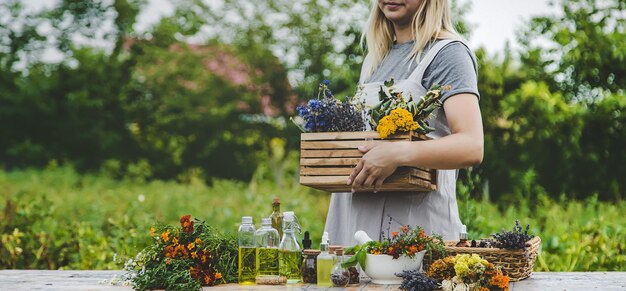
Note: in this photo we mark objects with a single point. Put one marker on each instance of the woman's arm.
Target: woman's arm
(462, 148)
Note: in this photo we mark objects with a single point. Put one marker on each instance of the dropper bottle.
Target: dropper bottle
(324, 263)
(463, 238)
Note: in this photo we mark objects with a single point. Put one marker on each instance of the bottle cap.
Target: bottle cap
(276, 201)
(266, 221)
(463, 234)
(246, 219)
(333, 248)
(311, 252)
(325, 238)
(306, 242)
(288, 216)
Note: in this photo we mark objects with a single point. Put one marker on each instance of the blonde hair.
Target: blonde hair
(431, 21)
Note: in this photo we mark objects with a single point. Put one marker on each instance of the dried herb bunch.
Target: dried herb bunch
(513, 240)
(413, 280)
(329, 114)
(184, 258)
(468, 272)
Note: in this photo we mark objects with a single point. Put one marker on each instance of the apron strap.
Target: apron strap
(366, 63)
(418, 73)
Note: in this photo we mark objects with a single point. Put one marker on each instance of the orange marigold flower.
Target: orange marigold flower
(198, 241)
(152, 231)
(168, 261)
(207, 280)
(390, 249)
(394, 234)
(500, 281)
(218, 275)
(194, 255)
(169, 251)
(413, 249)
(190, 246)
(165, 236)
(186, 223)
(175, 241)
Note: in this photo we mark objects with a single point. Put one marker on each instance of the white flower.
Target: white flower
(141, 198)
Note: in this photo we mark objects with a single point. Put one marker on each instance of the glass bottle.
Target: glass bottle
(267, 241)
(309, 266)
(247, 252)
(463, 238)
(277, 217)
(289, 256)
(325, 263)
(340, 275)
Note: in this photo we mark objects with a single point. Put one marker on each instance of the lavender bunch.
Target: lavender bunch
(415, 281)
(513, 240)
(328, 114)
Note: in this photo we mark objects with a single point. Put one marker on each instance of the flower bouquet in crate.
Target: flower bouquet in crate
(333, 130)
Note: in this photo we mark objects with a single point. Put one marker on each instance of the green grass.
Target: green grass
(59, 219)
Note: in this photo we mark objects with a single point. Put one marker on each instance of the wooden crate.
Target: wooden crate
(327, 159)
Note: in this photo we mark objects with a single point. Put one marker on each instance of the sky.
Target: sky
(496, 21)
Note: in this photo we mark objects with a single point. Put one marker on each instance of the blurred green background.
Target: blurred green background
(191, 116)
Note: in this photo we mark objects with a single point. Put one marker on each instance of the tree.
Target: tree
(585, 51)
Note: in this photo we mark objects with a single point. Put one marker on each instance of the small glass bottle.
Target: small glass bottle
(309, 266)
(277, 217)
(267, 241)
(463, 243)
(340, 275)
(289, 256)
(247, 252)
(325, 263)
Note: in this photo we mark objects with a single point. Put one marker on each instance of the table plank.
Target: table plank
(98, 280)
(539, 281)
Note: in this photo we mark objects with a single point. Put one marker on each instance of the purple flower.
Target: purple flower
(326, 82)
(314, 104)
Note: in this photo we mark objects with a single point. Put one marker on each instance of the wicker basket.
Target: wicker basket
(517, 264)
(328, 158)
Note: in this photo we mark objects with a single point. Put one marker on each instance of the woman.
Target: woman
(413, 41)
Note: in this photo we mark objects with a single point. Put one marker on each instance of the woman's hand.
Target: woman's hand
(374, 167)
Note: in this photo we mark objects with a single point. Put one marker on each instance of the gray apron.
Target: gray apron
(435, 211)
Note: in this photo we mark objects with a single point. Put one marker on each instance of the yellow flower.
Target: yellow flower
(190, 246)
(403, 119)
(152, 231)
(386, 127)
(165, 236)
(461, 269)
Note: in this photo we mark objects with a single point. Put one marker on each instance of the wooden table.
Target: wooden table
(96, 280)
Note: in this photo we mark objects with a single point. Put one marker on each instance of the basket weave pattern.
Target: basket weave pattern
(518, 264)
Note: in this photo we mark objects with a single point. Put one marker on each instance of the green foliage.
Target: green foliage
(581, 52)
(85, 221)
(59, 219)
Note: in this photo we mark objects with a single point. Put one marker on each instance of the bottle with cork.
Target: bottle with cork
(277, 216)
